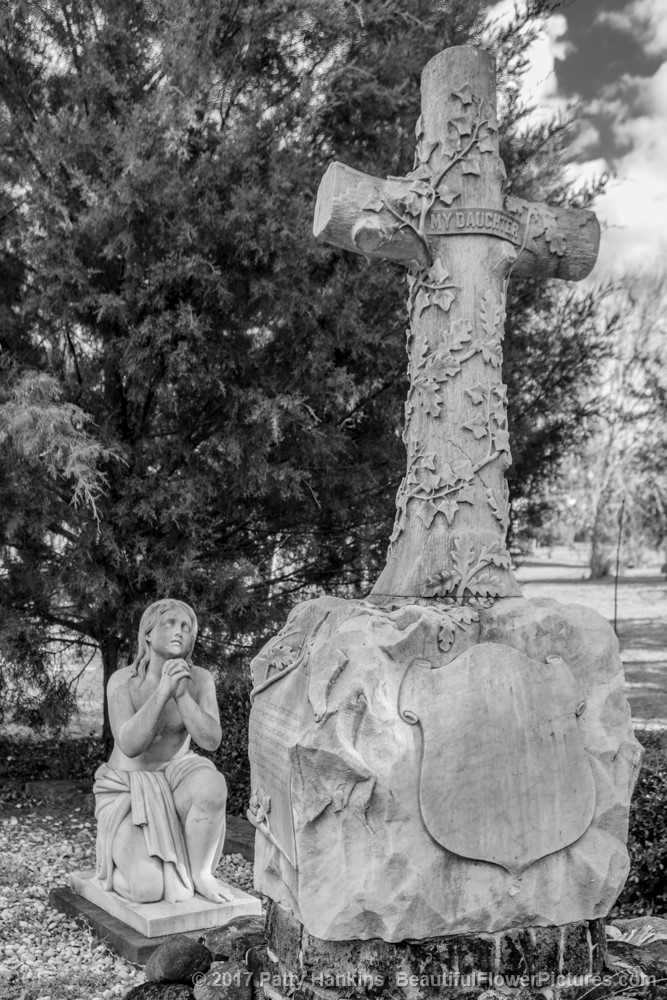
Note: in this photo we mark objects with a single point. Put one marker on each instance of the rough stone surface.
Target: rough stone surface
(366, 864)
(578, 948)
(178, 960)
(236, 938)
(160, 991)
(224, 981)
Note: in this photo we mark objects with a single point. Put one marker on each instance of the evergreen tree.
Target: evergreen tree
(239, 387)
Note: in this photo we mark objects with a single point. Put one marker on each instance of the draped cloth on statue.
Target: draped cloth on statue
(149, 797)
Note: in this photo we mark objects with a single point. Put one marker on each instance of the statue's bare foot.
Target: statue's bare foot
(181, 893)
(212, 888)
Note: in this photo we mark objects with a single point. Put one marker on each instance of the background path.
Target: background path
(561, 573)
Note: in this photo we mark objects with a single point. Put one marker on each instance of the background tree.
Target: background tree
(242, 386)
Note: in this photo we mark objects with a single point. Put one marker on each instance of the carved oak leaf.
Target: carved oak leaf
(447, 194)
(486, 588)
(477, 425)
(478, 393)
(491, 354)
(459, 334)
(448, 508)
(446, 364)
(441, 584)
(555, 239)
(471, 166)
(430, 400)
(490, 314)
(463, 555)
(495, 554)
(464, 94)
(446, 635)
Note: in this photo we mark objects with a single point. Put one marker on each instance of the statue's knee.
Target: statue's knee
(210, 791)
(147, 886)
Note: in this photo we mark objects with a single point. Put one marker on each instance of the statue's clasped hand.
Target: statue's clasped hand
(175, 675)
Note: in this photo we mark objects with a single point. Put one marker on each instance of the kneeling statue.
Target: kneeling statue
(160, 808)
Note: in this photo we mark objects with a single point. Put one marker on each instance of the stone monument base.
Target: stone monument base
(157, 919)
(527, 957)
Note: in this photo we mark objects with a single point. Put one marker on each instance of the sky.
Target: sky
(610, 56)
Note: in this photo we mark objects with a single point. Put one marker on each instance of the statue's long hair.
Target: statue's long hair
(149, 620)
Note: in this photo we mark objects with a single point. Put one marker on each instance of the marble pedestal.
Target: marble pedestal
(157, 919)
(425, 768)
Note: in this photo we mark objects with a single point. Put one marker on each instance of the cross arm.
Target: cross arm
(358, 212)
(396, 219)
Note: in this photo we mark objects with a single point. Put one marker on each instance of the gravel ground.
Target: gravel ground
(45, 955)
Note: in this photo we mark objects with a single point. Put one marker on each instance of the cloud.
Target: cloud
(634, 206)
(645, 20)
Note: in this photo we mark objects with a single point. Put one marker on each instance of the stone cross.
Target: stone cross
(450, 224)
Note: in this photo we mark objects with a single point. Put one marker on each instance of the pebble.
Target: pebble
(44, 946)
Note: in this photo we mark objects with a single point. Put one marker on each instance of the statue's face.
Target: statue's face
(171, 636)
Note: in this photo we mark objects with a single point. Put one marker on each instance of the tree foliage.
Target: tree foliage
(235, 388)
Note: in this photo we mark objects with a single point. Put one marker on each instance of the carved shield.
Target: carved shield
(504, 776)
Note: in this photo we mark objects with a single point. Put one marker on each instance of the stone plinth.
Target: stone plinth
(157, 919)
(532, 957)
(427, 768)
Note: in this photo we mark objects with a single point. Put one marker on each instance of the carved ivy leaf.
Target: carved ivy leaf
(477, 425)
(430, 481)
(450, 146)
(471, 166)
(427, 461)
(420, 173)
(502, 440)
(426, 512)
(448, 475)
(462, 124)
(438, 273)
(459, 334)
(492, 123)
(425, 150)
(447, 194)
(419, 127)
(375, 203)
(413, 202)
(477, 393)
(424, 300)
(448, 508)
(487, 144)
(467, 494)
(443, 297)
(465, 471)
(464, 94)
(499, 507)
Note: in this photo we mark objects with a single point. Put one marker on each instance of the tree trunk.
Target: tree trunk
(109, 650)
(604, 537)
